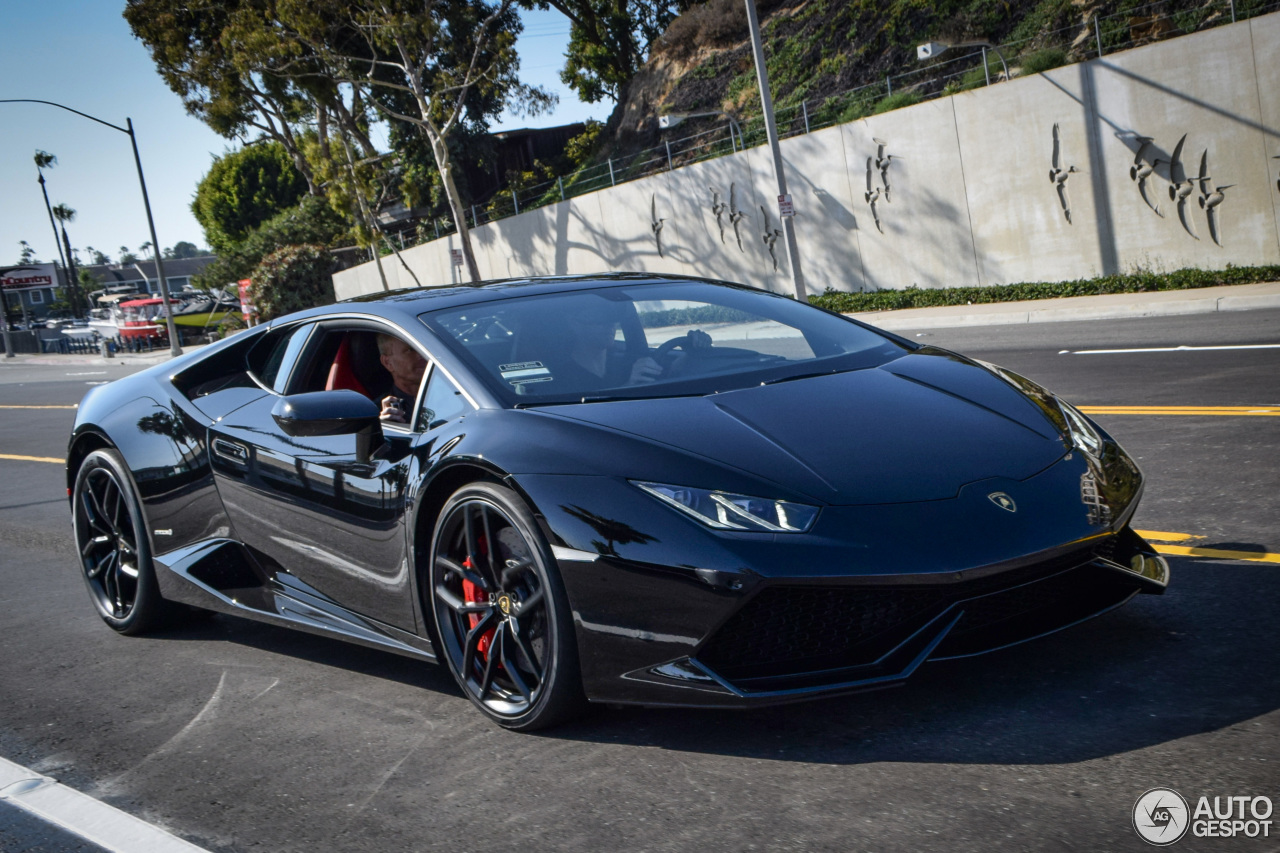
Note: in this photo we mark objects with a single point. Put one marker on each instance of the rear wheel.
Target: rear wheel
(501, 612)
(115, 553)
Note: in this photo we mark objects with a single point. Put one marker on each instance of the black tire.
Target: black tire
(501, 614)
(115, 551)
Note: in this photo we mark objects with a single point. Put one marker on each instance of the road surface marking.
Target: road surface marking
(1161, 536)
(92, 820)
(31, 458)
(1167, 349)
(1193, 551)
(76, 406)
(1250, 556)
(1225, 411)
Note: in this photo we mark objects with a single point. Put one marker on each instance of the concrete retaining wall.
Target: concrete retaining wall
(967, 195)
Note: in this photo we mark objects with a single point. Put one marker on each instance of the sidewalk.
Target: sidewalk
(121, 358)
(1112, 306)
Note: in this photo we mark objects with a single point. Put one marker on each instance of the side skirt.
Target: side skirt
(219, 575)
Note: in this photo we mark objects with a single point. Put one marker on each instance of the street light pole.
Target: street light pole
(174, 348)
(771, 128)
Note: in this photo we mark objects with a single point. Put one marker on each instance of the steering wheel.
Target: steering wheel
(694, 342)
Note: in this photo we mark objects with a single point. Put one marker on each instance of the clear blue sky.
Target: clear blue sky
(81, 53)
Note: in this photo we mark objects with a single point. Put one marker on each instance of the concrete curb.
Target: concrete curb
(1116, 306)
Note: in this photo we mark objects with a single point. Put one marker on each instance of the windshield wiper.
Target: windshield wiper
(804, 376)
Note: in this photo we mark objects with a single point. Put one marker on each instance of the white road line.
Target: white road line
(1166, 349)
(90, 373)
(92, 820)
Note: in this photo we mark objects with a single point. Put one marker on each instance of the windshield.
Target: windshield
(652, 340)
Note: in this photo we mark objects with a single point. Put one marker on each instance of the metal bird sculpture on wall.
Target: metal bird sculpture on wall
(1180, 187)
(1277, 157)
(872, 195)
(1143, 169)
(735, 215)
(656, 223)
(1210, 197)
(1058, 175)
(718, 207)
(770, 237)
(883, 161)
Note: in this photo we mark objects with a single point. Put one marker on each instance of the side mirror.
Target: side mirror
(340, 412)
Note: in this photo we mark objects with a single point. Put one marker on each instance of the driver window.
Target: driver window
(443, 402)
(271, 360)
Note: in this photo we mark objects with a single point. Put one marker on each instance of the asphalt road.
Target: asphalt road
(243, 737)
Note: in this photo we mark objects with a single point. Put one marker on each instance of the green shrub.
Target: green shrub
(1138, 282)
(292, 279)
(895, 101)
(1043, 60)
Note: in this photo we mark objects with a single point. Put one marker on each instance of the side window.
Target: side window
(273, 357)
(443, 402)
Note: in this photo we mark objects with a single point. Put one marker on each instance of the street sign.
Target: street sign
(457, 257)
(785, 207)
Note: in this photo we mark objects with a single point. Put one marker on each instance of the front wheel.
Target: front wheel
(115, 553)
(501, 612)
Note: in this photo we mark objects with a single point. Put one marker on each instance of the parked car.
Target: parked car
(625, 489)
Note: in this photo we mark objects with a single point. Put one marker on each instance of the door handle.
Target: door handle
(231, 450)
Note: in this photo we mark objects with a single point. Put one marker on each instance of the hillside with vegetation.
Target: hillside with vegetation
(834, 55)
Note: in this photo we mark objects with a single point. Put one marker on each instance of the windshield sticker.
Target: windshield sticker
(524, 372)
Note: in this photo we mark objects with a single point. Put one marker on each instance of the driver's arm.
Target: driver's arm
(644, 371)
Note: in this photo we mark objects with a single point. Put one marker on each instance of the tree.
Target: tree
(243, 189)
(291, 279)
(422, 59)
(196, 56)
(181, 250)
(609, 40)
(127, 257)
(95, 257)
(313, 221)
(28, 255)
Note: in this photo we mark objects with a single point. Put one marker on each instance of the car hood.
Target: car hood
(918, 428)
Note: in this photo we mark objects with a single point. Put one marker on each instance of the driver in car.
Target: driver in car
(406, 367)
(593, 329)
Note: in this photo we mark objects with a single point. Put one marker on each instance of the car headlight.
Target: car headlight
(726, 511)
(1083, 435)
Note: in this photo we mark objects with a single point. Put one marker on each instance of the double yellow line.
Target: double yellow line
(1228, 411)
(1158, 536)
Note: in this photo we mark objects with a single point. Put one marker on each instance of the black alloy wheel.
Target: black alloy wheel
(501, 613)
(115, 553)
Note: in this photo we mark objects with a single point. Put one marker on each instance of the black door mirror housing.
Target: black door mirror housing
(340, 412)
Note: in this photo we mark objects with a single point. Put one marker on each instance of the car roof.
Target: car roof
(417, 300)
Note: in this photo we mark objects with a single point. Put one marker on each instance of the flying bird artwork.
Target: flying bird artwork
(770, 237)
(718, 207)
(1210, 197)
(735, 215)
(656, 223)
(1180, 187)
(1142, 169)
(1058, 174)
(883, 161)
(872, 195)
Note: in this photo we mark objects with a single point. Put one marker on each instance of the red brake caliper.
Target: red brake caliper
(474, 594)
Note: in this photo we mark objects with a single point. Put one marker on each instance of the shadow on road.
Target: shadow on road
(1200, 658)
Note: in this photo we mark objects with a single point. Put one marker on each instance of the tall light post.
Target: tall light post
(785, 209)
(174, 348)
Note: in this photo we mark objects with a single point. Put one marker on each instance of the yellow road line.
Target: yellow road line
(1234, 411)
(1251, 556)
(32, 458)
(1161, 536)
(40, 407)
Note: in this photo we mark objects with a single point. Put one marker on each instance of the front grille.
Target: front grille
(792, 630)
